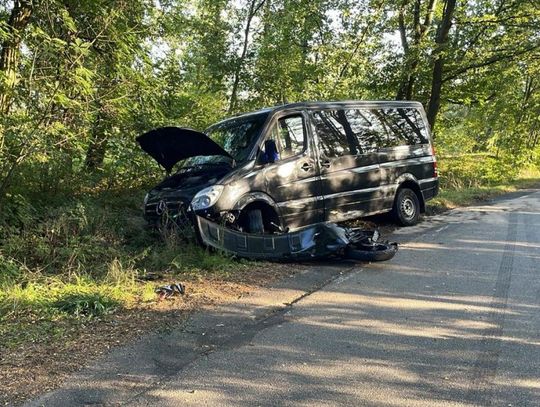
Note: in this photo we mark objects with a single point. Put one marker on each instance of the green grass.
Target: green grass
(452, 195)
(82, 259)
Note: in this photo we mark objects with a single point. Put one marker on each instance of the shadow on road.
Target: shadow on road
(453, 319)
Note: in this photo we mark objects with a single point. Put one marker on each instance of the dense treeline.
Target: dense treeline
(79, 79)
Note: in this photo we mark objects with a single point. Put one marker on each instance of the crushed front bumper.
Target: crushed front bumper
(319, 240)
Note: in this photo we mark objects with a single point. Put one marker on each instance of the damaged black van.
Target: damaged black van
(286, 167)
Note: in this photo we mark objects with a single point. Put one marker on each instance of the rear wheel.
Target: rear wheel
(255, 221)
(406, 209)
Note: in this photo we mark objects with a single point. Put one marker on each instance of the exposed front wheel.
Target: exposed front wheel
(255, 221)
(406, 209)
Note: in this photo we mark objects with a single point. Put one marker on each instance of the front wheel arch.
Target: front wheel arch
(270, 216)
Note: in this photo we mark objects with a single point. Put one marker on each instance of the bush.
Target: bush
(86, 304)
(10, 271)
(476, 170)
(196, 259)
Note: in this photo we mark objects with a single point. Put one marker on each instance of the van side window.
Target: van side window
(369, 129)
(406, 127)
(361, 131)
(336, 137)
(289, 135)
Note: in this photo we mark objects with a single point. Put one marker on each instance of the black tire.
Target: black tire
(255, 221)
(374, 252)
(406, 210)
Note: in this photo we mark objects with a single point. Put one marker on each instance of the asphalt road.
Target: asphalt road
(452, 320)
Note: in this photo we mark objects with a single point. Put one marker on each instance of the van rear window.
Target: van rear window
(361, 131)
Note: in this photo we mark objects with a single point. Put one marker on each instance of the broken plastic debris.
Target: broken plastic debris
(170, 290)
(316, 241)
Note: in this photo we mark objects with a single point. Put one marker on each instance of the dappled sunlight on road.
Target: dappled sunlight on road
(440, 325)
(415, 330)
(500, 243)
(395, 303)
(530, 384)
(479, 208)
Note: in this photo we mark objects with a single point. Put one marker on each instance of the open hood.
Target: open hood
(168, 145)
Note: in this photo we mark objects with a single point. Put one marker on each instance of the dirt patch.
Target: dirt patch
(40, 365)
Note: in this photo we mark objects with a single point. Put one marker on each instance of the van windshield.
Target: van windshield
(236, 136)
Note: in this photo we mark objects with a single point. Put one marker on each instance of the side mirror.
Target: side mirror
(270, 152)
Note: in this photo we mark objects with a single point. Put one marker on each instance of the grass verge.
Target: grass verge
(83, 259)
(74, 283)
(450, 198)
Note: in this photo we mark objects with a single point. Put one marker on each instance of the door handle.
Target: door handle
(307, 167)
(325, 163)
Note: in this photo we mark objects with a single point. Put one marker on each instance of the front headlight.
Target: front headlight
(145, 200)
(206, 197)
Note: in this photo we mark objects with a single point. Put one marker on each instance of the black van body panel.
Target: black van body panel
(295, 186)
(253, 197)
(310, 186)
(351, 186)
(429, 188)
(399, 164)
(169, 145)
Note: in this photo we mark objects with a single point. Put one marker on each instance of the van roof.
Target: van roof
(327, 105)
(344, 103)
(335, 104)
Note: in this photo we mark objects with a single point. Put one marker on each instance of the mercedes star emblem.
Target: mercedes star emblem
(161, 207)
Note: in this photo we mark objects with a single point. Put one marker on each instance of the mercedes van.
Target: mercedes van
(286, 167)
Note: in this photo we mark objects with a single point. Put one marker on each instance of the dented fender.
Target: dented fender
(252, 197)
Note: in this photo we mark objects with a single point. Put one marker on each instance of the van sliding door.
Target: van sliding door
(350, 173)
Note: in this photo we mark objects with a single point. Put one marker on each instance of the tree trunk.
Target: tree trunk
(412, 52)
(435, 96)
(9, 58)
(253, 9)
(438, 66)
(95, 154)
